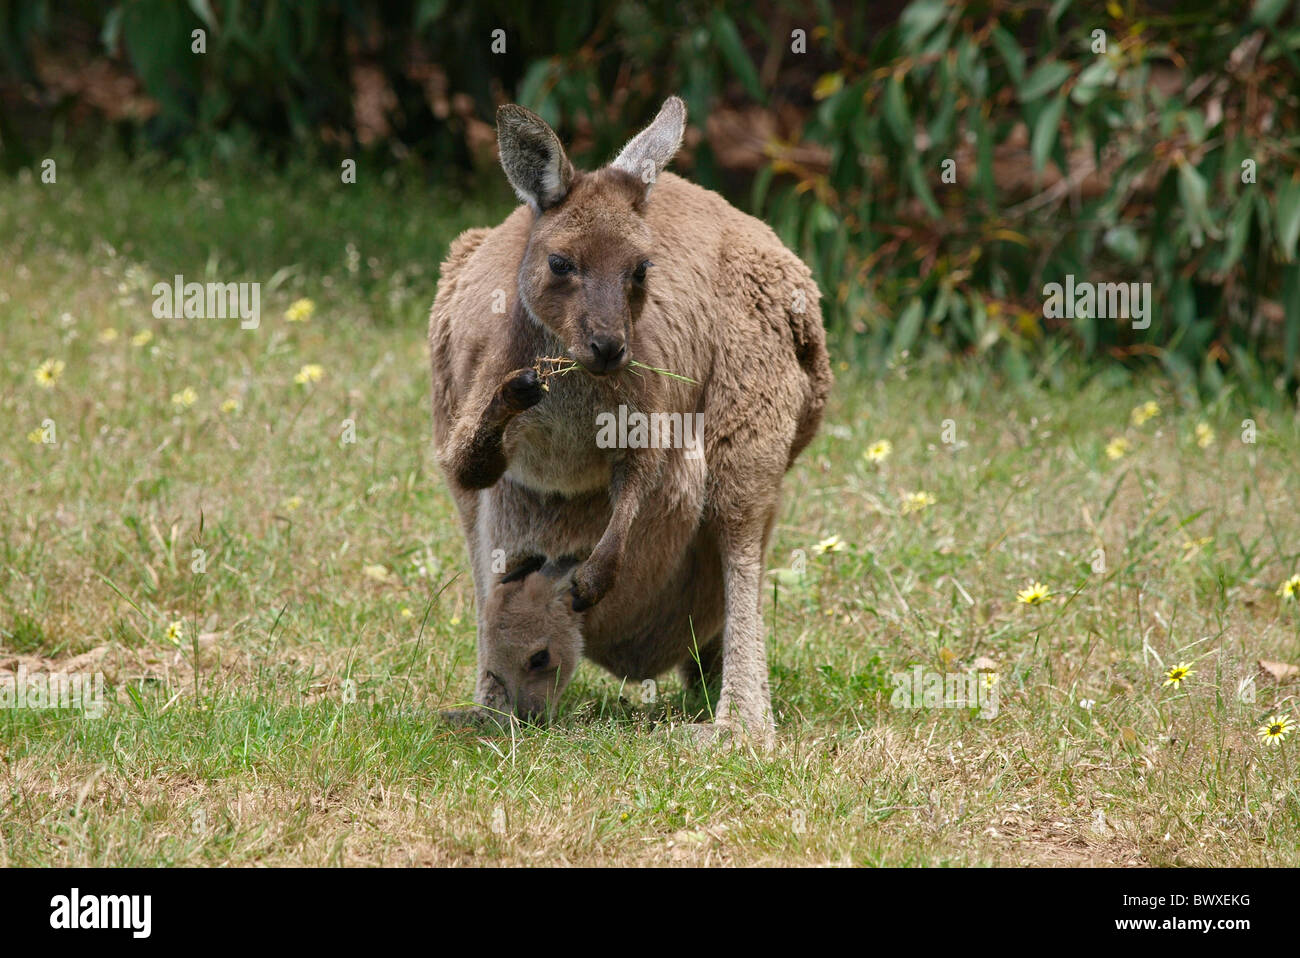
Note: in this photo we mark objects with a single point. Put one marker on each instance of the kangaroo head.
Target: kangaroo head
(587, 264)
(534, 638)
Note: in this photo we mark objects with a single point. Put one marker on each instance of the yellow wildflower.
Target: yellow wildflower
(48, 372)
(1275, 729)
(1148, 410)
(916, 501)
(879, 451)
(1179, 674)
(310, 373)
(833, 544)
(1036, 594)
(300, 311)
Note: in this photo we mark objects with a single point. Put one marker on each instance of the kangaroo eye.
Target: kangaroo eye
(559, 265)
(638, 274)
(540, 660)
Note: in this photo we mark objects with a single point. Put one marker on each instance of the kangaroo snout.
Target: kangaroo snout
(608, 355)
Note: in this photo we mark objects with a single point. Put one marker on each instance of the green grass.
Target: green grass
(294, 718)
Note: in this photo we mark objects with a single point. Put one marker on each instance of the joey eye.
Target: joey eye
(539, 660)
(559, 265)
(638, 274)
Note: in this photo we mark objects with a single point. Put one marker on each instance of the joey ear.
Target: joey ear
(562, 592)
(560, 571)
(531, 154)
(647, 153)
(525, 568)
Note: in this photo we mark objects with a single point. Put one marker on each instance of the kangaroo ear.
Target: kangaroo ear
(531, 155)
(647, 153)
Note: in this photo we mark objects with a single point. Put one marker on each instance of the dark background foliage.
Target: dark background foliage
(833, 121)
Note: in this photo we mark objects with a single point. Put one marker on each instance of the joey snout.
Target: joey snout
(493, 706)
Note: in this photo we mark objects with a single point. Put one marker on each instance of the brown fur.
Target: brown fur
(668, 541)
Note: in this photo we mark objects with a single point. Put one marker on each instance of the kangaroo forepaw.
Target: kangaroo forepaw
(581, 603)
(522, 390)
(590, 583)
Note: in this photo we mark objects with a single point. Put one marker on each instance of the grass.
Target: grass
(291, 716)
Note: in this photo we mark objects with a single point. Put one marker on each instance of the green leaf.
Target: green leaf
(1266, 12)
(1123, 241)
(1012, 55)
(1179, 370)
(897, 118)
(1291, 304)
(1092, 79)
(1238, 232)
(427, 12)
(909, 324)
(1192, 191)
(942, 124)
(203, 10)
(111, 34)
(1045, 128)
(1194, 123)
(919, 19)
(1288, 218)
(535, 88)
(733, 51)
(922, 190)
(822, 220)
(983, 152)
(1046, 78)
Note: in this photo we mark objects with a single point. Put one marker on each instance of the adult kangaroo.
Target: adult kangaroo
(617, 270)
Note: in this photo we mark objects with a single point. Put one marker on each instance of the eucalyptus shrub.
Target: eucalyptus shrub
(979, 152)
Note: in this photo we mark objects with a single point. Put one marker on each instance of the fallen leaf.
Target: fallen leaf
(1280, 671)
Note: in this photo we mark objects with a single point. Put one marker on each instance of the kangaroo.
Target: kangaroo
(664, 611)
(624, 271)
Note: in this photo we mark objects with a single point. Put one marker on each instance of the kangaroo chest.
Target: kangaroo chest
(554, 448)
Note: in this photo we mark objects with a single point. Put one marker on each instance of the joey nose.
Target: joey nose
(608, 354)
(532, 713)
